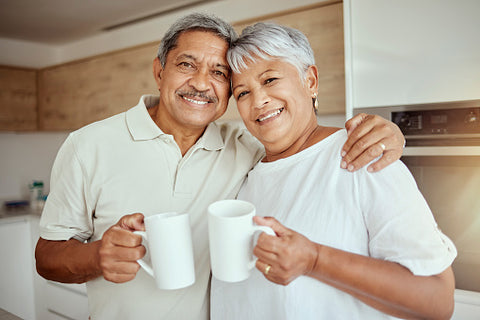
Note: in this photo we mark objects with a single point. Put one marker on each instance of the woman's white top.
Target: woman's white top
(382, 215)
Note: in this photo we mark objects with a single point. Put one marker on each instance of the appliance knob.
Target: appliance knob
(405, 121)
(471, 118)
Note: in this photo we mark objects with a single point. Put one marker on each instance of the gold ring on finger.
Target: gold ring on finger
(267, 269)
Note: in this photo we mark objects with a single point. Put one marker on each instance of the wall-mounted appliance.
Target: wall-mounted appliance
(443, 154)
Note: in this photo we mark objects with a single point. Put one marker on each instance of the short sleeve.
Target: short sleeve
(66, 213)
(400, 224)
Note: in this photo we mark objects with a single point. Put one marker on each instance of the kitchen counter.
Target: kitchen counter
(17, 214)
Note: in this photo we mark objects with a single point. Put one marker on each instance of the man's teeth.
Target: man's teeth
(273, 114)
(195, 101)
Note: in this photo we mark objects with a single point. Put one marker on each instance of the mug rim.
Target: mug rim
(213, 210)
(164, 215)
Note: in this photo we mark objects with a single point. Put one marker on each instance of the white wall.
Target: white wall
(25, 157)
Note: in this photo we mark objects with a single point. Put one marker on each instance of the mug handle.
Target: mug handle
(268, 231)
(142, 262)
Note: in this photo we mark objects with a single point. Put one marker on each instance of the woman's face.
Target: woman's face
(275, 103)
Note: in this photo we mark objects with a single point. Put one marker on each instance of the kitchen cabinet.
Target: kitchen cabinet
(17, 268)
(78, 93)
(323, 26)
(22, 291)
(18, 99)
(411, 52)
(66, 301)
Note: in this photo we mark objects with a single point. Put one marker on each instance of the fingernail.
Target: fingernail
(343, 153)
(370, 169)
(343, 165)
(350, 168)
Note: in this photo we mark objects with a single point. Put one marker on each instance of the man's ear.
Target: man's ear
(157, 71)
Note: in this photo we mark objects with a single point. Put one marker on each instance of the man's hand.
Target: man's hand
(370, 136)
(120, 249)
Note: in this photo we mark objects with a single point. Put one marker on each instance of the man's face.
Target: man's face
(194, 85)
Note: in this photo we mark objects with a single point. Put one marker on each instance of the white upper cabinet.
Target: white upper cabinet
(411, 51)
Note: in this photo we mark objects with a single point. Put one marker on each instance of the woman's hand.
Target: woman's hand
(370, 136)
(284, 257)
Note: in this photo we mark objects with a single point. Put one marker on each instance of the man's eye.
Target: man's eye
(185, 65)
(220, 73)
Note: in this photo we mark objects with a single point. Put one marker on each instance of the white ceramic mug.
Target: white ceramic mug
(231, 233)
(168, 240)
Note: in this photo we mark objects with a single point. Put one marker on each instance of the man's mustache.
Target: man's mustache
(199, 94)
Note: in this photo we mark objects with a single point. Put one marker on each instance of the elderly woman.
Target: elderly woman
(365, 245)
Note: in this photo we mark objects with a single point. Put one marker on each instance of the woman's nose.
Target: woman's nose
(260, 99)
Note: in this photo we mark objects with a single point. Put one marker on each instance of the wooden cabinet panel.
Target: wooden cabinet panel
(76, 94)
(18, 99)
(323, 25)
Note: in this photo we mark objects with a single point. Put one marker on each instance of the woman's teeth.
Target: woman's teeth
(273, 114)
(195, 101)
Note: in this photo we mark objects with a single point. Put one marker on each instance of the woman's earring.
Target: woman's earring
(315, 101)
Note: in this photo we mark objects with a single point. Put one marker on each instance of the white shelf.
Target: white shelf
(442, 151)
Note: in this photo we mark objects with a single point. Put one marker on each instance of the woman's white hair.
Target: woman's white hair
(267, 40)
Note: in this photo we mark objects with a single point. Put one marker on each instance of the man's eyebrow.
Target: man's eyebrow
(186, 56)
(224, 66)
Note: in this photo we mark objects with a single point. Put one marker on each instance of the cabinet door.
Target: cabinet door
(16, 269)
(323, 26)
(81, 92)
(18, 99)
(410, 52)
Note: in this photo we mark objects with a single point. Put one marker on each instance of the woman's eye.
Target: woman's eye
(241, 94)
(269, 80)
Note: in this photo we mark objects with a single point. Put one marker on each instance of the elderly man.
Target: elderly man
(165, 154)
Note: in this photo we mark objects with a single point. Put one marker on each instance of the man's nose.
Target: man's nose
(200, 81)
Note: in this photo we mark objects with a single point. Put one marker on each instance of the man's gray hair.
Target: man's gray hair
(192, 22)
(268, 40)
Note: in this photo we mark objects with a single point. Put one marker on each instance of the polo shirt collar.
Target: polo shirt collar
(211, 139)
(142, 127)
(139, 122)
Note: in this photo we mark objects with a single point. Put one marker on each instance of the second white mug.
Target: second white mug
(231, 237)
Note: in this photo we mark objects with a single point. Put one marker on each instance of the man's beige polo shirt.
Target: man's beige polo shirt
(126, 164)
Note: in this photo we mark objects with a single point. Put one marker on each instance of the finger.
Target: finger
(266, 254)
(357, 139)
(371, 153)
(356, 120)
(132, 222)
(272, 223)
(365, 135)
(388, 158)
(121, 237)
(122, 272)
(264, 268)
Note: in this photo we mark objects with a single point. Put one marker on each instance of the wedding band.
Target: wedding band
(267, 268)
(382, 146)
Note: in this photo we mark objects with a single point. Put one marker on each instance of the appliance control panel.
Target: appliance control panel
(458, 126)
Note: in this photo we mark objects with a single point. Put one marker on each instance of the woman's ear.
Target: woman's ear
(312, 78)
(157, 71)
